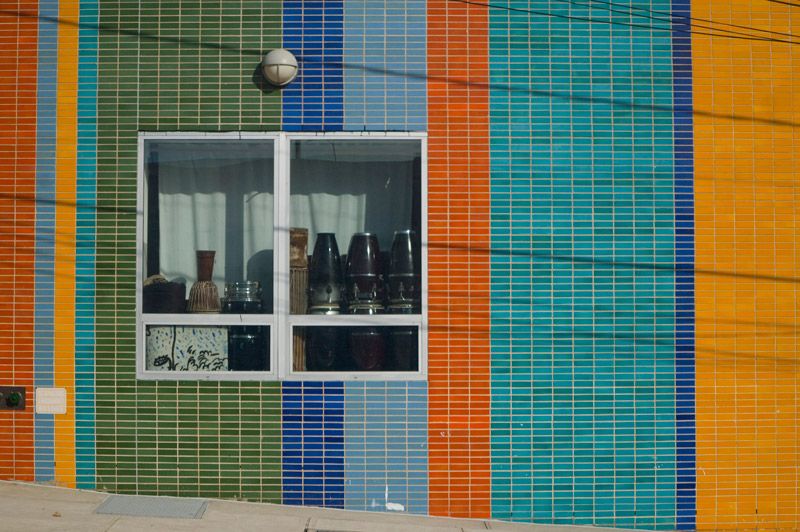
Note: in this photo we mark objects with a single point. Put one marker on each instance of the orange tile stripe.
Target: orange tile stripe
(18, 67)
(66, 194)
(459, 267)
(747, 243)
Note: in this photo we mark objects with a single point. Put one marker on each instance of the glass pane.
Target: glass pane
(214, 197)
(196, 348)
(355, 209)
(356, 348)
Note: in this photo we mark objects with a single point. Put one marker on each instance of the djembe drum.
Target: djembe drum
(325, 283)
(364, 279)
(368, 348)
(324, 350)
(404, 292)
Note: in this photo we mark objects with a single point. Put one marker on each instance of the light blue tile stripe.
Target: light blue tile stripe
(85, 246)
(385, 446)
(385, 65)
(583, 284)
(44, 425)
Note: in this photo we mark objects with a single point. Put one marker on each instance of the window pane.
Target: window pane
(196, 348)
(210, 196)
(356, 348)
(355, 197)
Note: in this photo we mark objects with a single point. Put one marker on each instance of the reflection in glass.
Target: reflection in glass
(359, 348)
(210, 195)
(206, 348)
(346, 189)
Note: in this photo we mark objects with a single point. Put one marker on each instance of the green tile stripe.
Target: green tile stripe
(174, 66)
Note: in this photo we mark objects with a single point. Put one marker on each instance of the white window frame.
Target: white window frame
(281, 321)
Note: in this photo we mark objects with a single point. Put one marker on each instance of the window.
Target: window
(269, 256)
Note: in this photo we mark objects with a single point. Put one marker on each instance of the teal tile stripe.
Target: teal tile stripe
(583, 287)
(85, 257)
(386, 446)
(385, 65)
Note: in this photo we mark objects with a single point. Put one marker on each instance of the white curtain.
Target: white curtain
(350, 197)
(218, 195)
(216, 198)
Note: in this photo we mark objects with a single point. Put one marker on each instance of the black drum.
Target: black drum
(368, 348)
(325, 280)
(364, 281)
(404, 274)
(325, 349)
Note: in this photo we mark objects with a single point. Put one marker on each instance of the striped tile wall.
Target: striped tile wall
(384, 58)
(583, 288)
(314, 32)
(458, 261)
(65, 244)
(746, 144)
(313, 444)
(612, 275)
(385, 446)
(18, 69)
(86, 231)
(45, 229)
(169, 66)
(685, 448)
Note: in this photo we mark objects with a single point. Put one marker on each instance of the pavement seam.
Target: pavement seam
(112, 523)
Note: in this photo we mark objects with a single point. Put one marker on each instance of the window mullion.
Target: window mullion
(281, 280)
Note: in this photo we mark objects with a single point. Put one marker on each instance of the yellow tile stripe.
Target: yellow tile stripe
(747, 222)
(66, 179)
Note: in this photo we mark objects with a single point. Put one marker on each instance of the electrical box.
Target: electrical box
(12, 398)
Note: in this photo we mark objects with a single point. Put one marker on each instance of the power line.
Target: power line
(674, 16)
(790, 4)
(627, 24)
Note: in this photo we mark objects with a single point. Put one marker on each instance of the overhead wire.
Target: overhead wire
(673, 15)
(728, 35)
(672, 18)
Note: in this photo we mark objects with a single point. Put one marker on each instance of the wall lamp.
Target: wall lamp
(279, 67)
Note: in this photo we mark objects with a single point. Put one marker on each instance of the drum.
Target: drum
(324, 350)
(364, 281)
(325, 282)
(404, 274)
(368, 348)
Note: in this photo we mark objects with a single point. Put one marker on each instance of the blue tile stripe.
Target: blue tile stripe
(386, 450)
(44, 424)
(583, 427)
(314, 32)
(385, 65)
(86, 181)
(313, 443)
(686, 470)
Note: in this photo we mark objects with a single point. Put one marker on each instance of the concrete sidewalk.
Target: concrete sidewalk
(39, 508)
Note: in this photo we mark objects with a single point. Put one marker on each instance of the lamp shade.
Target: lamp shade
(279, 67)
